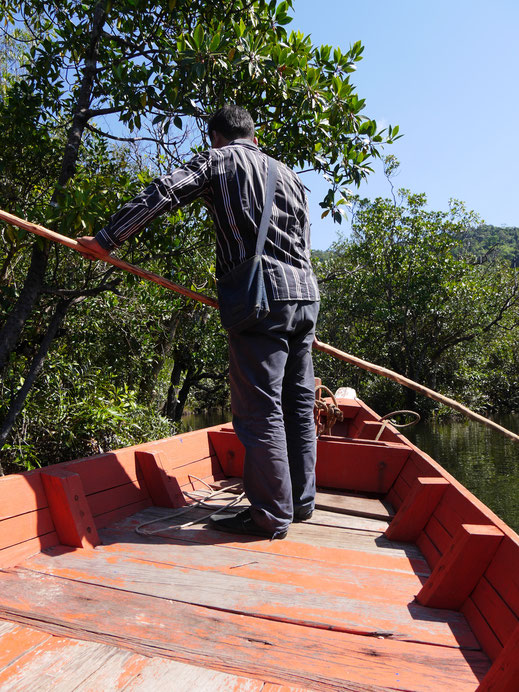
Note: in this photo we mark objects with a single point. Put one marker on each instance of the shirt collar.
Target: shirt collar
(243, 143)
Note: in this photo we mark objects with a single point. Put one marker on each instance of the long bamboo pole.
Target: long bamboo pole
(142, 273)
(411, 384)
(318, 345)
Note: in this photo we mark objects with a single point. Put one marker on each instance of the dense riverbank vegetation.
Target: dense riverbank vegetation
(96, 100)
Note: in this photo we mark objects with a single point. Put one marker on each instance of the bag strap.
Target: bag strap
(272, 170)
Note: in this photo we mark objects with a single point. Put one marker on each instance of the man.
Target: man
(271, 371)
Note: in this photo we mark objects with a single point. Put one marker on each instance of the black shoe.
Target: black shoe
(302, 515)
(243, 523)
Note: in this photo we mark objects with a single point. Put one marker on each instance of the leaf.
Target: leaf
(198, 36)
(215, 42)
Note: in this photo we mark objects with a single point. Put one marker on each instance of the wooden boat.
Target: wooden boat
(402, 580)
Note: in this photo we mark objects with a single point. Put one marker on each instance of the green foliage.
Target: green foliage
(486, 241)
(150, 73)
(76, 411)
(173, 66)
(404, 293)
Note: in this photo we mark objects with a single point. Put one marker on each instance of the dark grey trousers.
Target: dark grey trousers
(272, 398)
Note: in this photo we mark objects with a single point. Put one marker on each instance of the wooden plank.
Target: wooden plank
(421, 464)
(350, 539)
(504, 673)
(17, 640)
(503, 573)
(104, 471)
(349, 407)
(482, 630)
(24, 527)
(269, 687)
(20, 494)
(164, 489)
(119, 467)
(33, 659)
(255, 647)
(163, 674)
(417, 466)
(416, 509)
(496, 611)
(59, 664)
(369, 583)
(69, 508)
(359, 467)
(304, 533)
(397, 493)
(458, 505)
(234, 592)
(455, 509)
(168, 675)
(353, 511)
(309, 543)
(362, 415)
(15, 553)
(461, 567)
(441, 538)
(6, 627)
(114, 498)
(374, 429)
(115, 515)
(353, 504)
(182, 449)
(428, 549)
(402, 484)
(324, 518)
(209, 467)
(336, 519)
(229, 450)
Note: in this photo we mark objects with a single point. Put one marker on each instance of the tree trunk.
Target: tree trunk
(183, 394)
(30, 293)
(170, 406)
(163, 349)
(18, 401)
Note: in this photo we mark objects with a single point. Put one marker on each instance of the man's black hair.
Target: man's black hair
(233, 122)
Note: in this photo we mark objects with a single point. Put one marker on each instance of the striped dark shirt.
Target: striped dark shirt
(231, 182)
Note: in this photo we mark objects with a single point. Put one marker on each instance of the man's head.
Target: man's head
(229, 123)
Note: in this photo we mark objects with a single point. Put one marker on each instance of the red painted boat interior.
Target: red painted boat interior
(402, 580)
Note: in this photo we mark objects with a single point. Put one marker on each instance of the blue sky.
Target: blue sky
(447, 73)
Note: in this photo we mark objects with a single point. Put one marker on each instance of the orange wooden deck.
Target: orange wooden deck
(330, 607)
(424, 596)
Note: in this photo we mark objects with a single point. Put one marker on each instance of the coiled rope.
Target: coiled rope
(210, 494)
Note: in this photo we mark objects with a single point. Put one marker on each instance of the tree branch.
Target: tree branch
(94, 112)
(82, 293)
(131, 140)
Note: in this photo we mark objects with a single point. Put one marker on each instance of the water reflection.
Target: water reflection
(485, 461)
(195, 421)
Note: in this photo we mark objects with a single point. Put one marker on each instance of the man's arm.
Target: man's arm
(169, 192)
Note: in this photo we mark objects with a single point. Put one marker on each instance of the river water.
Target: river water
(484, 460)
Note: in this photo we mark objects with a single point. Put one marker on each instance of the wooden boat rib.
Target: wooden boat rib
(402, 579)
